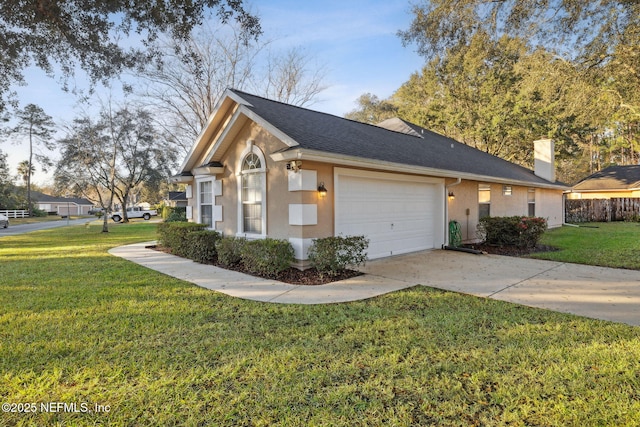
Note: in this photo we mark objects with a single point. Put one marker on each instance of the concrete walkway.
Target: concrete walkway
(596, 292)
(254, 288)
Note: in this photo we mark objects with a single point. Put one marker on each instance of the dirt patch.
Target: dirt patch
(309, 277)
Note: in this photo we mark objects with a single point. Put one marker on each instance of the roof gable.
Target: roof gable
(611, 178)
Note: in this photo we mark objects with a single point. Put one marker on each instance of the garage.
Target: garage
(397, 213)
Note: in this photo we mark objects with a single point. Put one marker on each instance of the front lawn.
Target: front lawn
(81, 328)
(612, 244)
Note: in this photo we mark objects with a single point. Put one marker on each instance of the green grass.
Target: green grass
(80, 326)
(614, 244)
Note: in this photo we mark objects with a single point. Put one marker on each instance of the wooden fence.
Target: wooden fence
(602, 210)
(20, 213)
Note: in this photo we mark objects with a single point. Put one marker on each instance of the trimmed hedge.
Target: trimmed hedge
(523, 232)
(201, 245)
(332, 255)
(229, 250)
(267, 257)
(173, 235)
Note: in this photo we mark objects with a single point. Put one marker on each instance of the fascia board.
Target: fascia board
(227, 133)
(338, 159)
(225, 104)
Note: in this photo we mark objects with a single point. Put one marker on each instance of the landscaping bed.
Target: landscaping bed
(310, 277)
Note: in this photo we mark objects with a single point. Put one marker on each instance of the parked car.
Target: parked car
(4, 221)
(134, 212)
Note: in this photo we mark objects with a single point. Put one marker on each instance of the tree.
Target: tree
(25, 170)
(39, 127)
(291, 79)
(8, 196)
(110, 157)
(372, 110)
(187, 85)
(577, 78)
(89, 34)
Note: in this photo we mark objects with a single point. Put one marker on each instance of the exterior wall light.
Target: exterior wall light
(451, 195)
(322, 190)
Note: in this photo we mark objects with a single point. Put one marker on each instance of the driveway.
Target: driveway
(597, 292)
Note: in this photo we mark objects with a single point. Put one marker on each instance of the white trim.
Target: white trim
(217, 213)
(303, 214)
(342, 160)
(301, 247)
(302, 180)
(251, 148)
(198, 204)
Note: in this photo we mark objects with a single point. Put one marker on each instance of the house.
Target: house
(263, 168)
(176, 199)
(611, 182)
(61, 205)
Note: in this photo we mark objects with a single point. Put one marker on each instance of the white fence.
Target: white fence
(22, 213)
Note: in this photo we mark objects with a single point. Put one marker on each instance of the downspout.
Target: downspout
(446, 210)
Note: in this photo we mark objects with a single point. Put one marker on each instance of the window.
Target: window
(507, 190)
(484, 200)
(252, 192)
(531, 200)
(206, 203)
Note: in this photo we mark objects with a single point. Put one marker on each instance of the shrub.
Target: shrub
(531, 230)
(201, 245)
(332, 255)
(173, 235)
(229, 250)
(523, 232)
(267, 257)
(177, 214)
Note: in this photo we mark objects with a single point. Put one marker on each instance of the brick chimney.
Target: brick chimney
(544, 159)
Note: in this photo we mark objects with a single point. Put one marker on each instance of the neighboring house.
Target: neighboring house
(177, 199)
(263, 168)
(61, 205)
(612, 182)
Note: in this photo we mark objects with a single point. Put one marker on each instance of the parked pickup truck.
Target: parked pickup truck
(134, 212)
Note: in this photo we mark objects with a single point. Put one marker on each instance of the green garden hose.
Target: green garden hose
(455, 239)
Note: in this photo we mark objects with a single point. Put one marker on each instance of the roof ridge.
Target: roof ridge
(243, 93)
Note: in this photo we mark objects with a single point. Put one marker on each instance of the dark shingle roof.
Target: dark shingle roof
(178, 195)
(612, 178)
(46, 198)
(327, 133)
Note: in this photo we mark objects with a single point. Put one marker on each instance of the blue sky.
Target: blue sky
(355, 40)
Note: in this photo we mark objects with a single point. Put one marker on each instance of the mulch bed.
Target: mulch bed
(309, 277)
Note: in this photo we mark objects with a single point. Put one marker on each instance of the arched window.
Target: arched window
(252, 192)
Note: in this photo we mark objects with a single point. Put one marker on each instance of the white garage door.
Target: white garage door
(397, 213)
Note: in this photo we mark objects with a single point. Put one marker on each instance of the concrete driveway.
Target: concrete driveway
(597, 292)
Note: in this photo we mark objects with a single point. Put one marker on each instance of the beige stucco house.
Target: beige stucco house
(264, 168)
(61, 205)
(611, 182)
